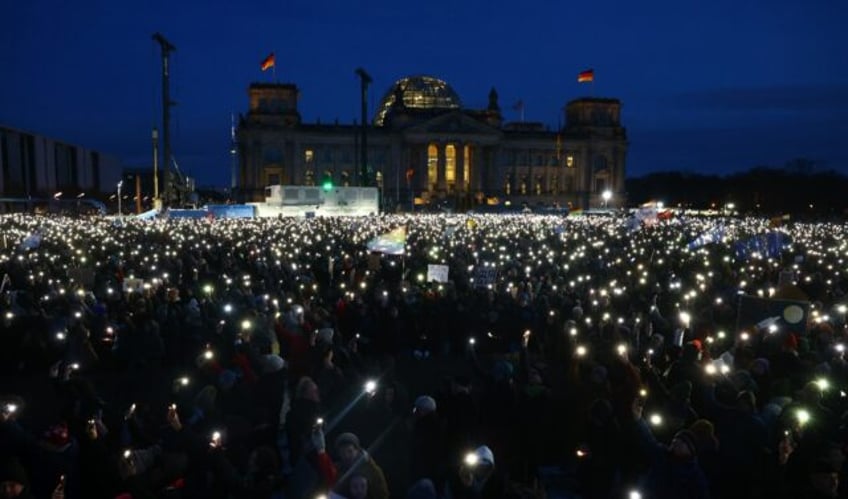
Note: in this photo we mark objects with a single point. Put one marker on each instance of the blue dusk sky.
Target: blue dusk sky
(712, 87)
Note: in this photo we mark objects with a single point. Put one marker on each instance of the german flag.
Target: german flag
(268, 62)
(586, 76)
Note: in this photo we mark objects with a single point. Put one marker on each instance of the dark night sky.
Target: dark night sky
(714, 86)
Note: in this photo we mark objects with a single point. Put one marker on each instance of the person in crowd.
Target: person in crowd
(153, 352)
(354, 462)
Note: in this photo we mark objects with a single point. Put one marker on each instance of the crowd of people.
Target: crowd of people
(582, 357)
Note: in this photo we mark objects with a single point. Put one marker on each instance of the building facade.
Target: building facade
(424, 147)
(32, 165)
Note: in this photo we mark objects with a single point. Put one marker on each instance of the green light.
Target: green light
(327, 185)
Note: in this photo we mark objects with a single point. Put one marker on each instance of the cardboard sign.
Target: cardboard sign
(485, 276)
(437, 273)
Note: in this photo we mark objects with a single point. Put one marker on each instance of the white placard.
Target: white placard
(437, 273)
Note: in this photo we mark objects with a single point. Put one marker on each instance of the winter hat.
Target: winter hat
(704, 433)
(325, 335)
(688, 438)
(502, 370)
(425, 404)
(12, 471)
(272, 363)
(347, 439)
(422, 489)
(760, 366)
(484, 455)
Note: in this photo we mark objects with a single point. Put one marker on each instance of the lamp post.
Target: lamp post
(607, 195)
(120, 184)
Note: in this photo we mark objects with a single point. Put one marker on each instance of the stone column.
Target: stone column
(420, 181)
(585, 176)
(441, 184)
(460, 167)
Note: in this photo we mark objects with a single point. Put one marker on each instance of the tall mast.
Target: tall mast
(167, 48)
(365, 79)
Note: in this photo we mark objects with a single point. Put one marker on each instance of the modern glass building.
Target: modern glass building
(425, 147)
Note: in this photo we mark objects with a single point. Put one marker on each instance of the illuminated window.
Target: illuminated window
(466, 169)
(450, 165)
(554, 184)
(309, 177)
(309, 155)
(432, 165)
(569, 161)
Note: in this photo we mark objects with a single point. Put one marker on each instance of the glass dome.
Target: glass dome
(419, 92)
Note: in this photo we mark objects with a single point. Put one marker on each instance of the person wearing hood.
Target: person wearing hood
(354, 461)
(14, 482)
(475, 478)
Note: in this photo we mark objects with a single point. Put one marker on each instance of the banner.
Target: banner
(31, 242)
(390, 243)
(768, 245)
(714, 235)
(147, 215)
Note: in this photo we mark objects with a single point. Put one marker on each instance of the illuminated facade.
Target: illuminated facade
(425, 146)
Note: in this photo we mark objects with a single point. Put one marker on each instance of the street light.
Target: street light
(607, 195)
(120, 184)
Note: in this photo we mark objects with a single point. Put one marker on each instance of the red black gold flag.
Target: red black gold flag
(268, 62)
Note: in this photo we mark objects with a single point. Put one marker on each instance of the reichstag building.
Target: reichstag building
(425, 147)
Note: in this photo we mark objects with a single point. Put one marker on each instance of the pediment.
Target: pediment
(455, 122)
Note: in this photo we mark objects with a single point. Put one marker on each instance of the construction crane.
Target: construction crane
(176, 186)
